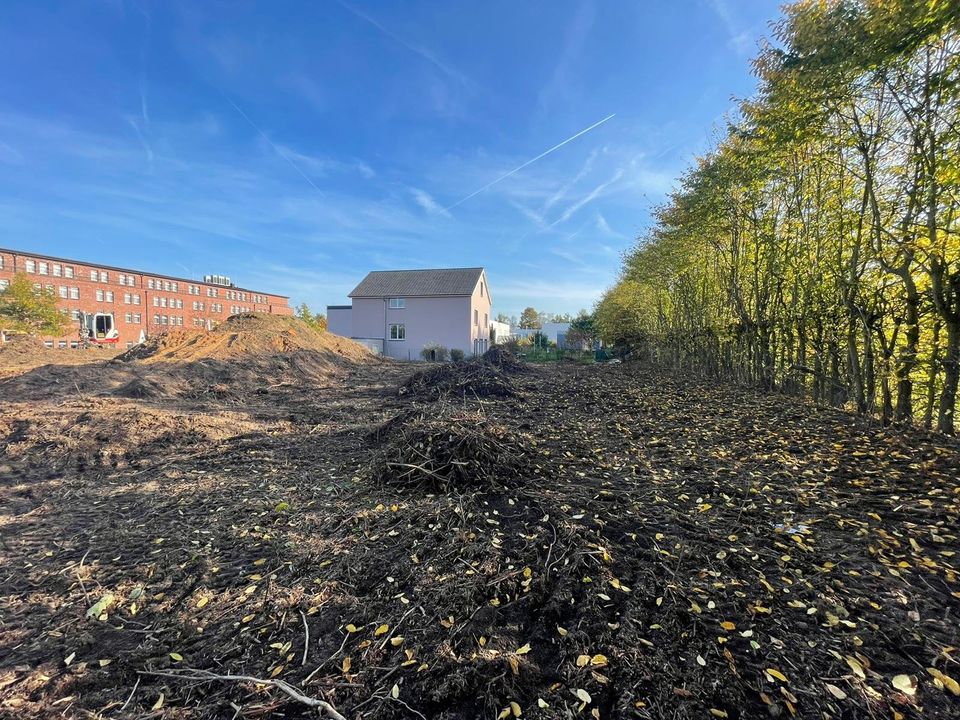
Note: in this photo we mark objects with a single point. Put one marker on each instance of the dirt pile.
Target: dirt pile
(243, 336)
(470, 379)
(450, 452)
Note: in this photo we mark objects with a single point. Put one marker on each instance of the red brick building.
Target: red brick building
(141, 303)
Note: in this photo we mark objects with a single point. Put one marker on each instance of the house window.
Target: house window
(74, 293)
(4, 284)
(64, 292)
(150, 283)
(104, 276)
(109, 295)
(31, 266)
(43, 269)
(94, 276)
(486, 319)
(126, 298)
(57, 270)
(398, 303)
(476, 317)
(136, 318)
(128, 317)
(99, 295)
(398, 332)
(136, 299)
(68, 271)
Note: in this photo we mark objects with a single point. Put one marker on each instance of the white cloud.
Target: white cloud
(426, 201)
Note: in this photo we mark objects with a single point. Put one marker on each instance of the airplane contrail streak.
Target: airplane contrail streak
(276, 149)
(529, 162)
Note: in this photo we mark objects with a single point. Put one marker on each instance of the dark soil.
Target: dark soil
(650, 547)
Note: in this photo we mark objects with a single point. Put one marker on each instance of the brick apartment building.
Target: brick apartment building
(142, 304)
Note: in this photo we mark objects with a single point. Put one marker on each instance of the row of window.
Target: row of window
(35, 267)
(74, 344)
(168, 320)
(39, 267)
(236, 309)
(167, 285)
(476, 318)
(175, 303)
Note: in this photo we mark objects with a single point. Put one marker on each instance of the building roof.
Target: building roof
(339, 307)
(115, 268)
(418, 283)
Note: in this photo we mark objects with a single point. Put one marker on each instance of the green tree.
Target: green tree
(317, 321)
(530, 319)
(27, 309)
(582, 330)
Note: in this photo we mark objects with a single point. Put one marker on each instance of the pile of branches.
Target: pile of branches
(448, 452)
(504, 360)
(469, 379)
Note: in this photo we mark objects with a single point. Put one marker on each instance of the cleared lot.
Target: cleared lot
(559, 541)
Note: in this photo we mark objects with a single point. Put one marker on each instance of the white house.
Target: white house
(399, 312)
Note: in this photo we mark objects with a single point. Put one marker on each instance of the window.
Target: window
(398, 303)
(398, 332)
(122, 279)
(173, 286)
(99, 295)
(64, 292)
(42, 269)
(166, 285)
(1, 262)
(110, 296)
(68, 271)
(136, 299)
(156, 301)
(126, 298)
(74, 293)
(476, 317)
(31, 266)
(150, 283)
(136, 318)
(104, 276)
(179, 304)
(486, 319)
(57, 270)
(62, 344)
(94, 276)
(75, 314)
(481, 288)
(4, 284)
(163, 302)
(128, 317)
(156, 319)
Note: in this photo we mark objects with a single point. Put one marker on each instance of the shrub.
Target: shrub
(435, 352)
(456, 354)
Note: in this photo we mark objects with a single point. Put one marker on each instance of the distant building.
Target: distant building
(133, 304)
(555, 332)
(400, 312)
(501, 331)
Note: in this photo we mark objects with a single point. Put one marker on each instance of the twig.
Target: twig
(203, 675)
(306, 639)
(130, 697)
(79, 568)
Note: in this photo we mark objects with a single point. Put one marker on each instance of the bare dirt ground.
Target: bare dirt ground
(564, 541)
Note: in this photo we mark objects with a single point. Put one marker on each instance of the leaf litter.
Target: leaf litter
(597, 541)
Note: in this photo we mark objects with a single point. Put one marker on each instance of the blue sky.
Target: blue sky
(296, 145)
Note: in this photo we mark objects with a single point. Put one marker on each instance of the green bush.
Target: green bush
(456, 354)
(435, 352)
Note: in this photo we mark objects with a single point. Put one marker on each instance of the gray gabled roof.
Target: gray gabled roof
(414, 283)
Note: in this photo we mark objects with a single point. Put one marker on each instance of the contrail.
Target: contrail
(275, 148)
(529, 162)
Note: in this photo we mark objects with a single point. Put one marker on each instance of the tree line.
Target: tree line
(815, 249)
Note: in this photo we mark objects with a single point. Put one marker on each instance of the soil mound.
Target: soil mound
(470, 379)
(451, 452)
(246, 335)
